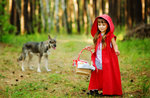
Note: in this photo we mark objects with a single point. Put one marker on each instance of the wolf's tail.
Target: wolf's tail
(23, 54)
(22, 57)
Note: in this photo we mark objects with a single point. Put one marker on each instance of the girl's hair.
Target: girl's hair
(96, 36)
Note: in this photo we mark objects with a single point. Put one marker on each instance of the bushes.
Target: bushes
(5, 26)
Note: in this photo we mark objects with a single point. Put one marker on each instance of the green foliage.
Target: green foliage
(135, 47)
(5, 26)
(20, 40)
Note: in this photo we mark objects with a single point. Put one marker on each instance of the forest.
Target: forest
(69, 16)
(70, 22)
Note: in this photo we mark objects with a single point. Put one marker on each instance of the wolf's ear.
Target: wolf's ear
(49, 37)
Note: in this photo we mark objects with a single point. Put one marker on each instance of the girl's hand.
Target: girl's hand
(117, 52)
(115, 47)
(88, 48)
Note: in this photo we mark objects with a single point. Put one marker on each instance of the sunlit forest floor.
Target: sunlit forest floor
(62, 81)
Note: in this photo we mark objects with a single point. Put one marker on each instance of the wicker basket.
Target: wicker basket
(78, 70)
(83, 71)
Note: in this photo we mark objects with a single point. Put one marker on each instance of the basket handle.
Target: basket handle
(82, 51)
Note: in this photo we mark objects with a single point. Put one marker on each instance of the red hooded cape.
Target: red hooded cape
(108, 79)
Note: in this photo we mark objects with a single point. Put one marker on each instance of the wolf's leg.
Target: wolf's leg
(39, 70)
(22, 67)
(23, 59)
(29, 60)
(46, 63)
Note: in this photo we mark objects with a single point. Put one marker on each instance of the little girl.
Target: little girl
(106, 77)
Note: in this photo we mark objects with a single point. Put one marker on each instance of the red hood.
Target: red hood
(95, 27)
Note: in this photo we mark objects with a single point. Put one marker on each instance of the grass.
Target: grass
(134, 63)
(62, 81)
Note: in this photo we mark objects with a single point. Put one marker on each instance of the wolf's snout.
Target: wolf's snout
(54, 46)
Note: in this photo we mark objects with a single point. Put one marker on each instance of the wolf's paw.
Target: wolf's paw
(23, 69)
(48, 70)
(38, 70)
(31, 68)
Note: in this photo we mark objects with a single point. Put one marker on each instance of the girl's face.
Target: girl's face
(102, 25)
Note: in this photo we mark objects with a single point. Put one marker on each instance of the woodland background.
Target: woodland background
(69, 16)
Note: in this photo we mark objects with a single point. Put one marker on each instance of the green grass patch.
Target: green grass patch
(62, 81)
(28, 90)
(1, 76)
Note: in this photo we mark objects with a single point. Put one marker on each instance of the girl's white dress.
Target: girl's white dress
(98, 60)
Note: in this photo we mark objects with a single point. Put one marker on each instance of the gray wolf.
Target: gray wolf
(39, 48)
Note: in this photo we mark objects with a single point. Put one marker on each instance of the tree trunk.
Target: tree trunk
(78, 17)
(18, 14)
(72, 14)
(95, 8)
(12, 10)
(22, 18)
(122, 12)
(103, 6)
(81, 13)
(91, 10)
(31, 15)
(48, 14)
(64, 3)
(18, 24)
(113, 10)
(39, 17)
(75, 11)
(34, 19)
(118, 13)
(148, 11)
(88, 15)
(52, 12)
(56, 14)
(145, 10)
(85, 17)
(63, 15)
(129, 14)
(106, 6)
(137, 11)
(10, 6)
(133, 13)
(26, 16)
(99, 7)
(42, 16)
